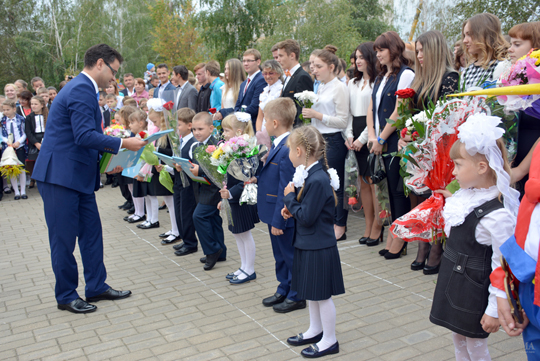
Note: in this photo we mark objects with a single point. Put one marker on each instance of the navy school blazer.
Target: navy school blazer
(314, 213)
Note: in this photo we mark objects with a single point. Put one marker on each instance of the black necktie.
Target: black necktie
(12, 129)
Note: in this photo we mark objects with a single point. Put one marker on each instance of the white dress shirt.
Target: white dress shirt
(180, 89)
(292, 71)
(162, 89)
(280, 138)
(359, 102)
(17, 136)
(40, 126)
(333, 103)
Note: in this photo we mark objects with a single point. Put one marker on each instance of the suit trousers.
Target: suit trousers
(283, 249)
(399, 203)
(70, 215)
(208, 224)
(184, 207)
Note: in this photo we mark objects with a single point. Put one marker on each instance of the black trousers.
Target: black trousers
(184, 206)
(399, 203)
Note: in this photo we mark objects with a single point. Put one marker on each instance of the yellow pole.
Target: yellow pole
(527, 89)
(415, 21)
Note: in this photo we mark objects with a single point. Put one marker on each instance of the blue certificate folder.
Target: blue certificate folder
(126, 158)
(186, 165)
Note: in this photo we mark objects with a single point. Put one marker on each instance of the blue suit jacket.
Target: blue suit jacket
(314, 213)
(168, 87)
(277, 172)
(250, 99)
(69, 154)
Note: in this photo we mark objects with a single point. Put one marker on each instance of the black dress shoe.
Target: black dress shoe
(131, 210)
(185, 251)
(114, 185)
(123, 205)
(127, 207)
(17, 198)
(176, 247)
(126, 218)
(211, 260)
(299, 340)
(110, 294)
(203, 259)
(149, 225)
(383, 251)
(343, 237)
(313, 351)
(273, 300)
(417, 266)
(165, 235)
(24, 196)
(136, 219)
(162, 207)
(170, 240)
(78, 306)
(363, 240)
(289, 305)
(431, 270)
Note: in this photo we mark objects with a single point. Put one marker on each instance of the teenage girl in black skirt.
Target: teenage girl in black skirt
(244, 216)
(316, 274)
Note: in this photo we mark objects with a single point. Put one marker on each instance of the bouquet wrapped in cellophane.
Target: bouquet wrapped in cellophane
(10, 165)
(117, 131)
(431, 168)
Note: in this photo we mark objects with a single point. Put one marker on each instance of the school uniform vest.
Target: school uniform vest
(387, 104)
(461, 294)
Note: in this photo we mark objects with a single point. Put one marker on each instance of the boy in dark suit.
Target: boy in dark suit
(206, 218)
(277, 172)
(184, 199)
(297, 79)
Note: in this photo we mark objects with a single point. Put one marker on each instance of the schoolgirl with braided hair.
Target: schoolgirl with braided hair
(316, 276)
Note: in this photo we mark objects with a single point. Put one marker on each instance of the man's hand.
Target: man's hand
(117, 169)
(133, 144)
(224, 193)
(510, 326)
(276, 232)
(16, 145)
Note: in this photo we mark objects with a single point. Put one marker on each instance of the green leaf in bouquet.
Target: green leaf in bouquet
(453, 186)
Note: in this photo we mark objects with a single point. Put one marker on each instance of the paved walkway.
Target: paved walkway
(180, 312)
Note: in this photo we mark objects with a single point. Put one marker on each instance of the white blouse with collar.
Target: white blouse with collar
(333, 103)
(359, 98)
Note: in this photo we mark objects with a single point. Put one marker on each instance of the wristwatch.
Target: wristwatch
(381, 141)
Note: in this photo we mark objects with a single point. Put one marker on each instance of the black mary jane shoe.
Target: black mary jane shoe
(136, 219)
(78, 306)
(149, 225)
(363, 240)
(299, 339)
(17, 198)
(24, 196)
(313, 351)
(170, 240)
(126, 218)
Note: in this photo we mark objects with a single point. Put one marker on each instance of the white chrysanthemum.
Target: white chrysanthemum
(421, 117)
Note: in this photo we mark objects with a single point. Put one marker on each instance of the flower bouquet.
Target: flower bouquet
(525, 71)
(431, 168)
(217, 124)
(306, 99)
(206, 156)
(352, 200)
(404, 109)
(117, 131)
(10, 165)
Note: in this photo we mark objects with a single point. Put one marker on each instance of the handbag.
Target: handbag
(376, 168)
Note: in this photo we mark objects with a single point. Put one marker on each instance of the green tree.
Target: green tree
(369, 18)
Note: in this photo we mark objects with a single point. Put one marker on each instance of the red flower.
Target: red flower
(352, 201)
(383, 214)
(212, 110)
(168, 105)
(405, 93)
(142, 135)
(415, 135)
(403, 132)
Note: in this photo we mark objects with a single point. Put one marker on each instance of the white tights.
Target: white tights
(152, 209)
(22, 179)
(322, 318)
(246, 248)
(138, 203)
(169, 201)
(470, 349)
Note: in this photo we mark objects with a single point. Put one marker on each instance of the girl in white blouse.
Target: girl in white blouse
(360, 87)
(330, 115)
(234, 76)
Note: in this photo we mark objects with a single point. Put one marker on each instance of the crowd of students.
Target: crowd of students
(306, 217)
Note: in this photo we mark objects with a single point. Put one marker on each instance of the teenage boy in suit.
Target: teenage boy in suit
(163, 76)
(276, 173)
(250, 89)
(184, 199)
(206, 218)
(185, 94)
(297, 79)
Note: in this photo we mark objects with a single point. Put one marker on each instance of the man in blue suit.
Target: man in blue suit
(164, 83)
(250, 89)
(67, 174)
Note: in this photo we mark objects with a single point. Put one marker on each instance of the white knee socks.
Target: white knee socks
(22, 181)
(327, 311)
(170, 206)
(15, 185)
(470, 349)
(152, 209)
(246, 248)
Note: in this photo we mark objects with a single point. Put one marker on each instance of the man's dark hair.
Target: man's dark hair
(162, 65)
(128, 75)
(182, 70)
(101, 51)
(102, 94)
(36, 78)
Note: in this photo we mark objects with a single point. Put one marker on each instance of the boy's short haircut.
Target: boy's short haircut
(102, 94)
(153, 78)
(185, 115)
(9, 103)
(110, 96)
(282, 110)
(45, 90)
(274, 48)
(256, 54)
(290, 46)
(162, 65)
(213, 68)
(182, 71)
(198, 66)
(35, 79)
(206, 118)
(130, 101)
